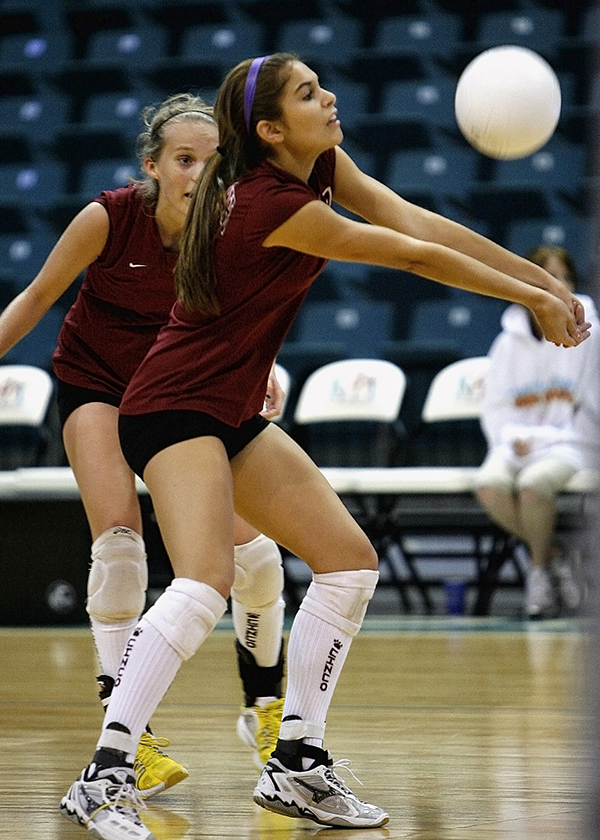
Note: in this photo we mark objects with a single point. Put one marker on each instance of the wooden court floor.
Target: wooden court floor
(463, 731)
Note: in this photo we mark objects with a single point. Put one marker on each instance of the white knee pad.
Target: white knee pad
(258, 578)
(118, 576)
(185, 614)
(341, 598)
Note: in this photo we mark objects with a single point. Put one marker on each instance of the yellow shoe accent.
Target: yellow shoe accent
(269, 721)
(155, 770)
(259, 728)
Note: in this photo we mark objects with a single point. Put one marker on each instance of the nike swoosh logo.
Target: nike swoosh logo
(137, 265)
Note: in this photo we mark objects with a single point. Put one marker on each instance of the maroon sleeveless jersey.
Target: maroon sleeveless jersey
(125, 298)
(220, 364)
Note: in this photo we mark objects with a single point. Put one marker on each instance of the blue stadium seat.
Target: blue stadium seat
(38, 346)
(225, 44)
(22, 256)
(35, 51)
(574, 234)
(119, 109)
(501, 205)
(331, 40)
(467, 322)
(108, 174)
(590, 24)
(433, 33)
(360, 326)
(538, 28)
(430, 100)
(447, 171)
(558, 164)
(35, 117)
(32, 183)
(135, 47)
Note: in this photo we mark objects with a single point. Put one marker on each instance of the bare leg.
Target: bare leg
(504, 508)
(107, 488)
(538, 517)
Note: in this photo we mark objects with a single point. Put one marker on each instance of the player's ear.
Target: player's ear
(149, 167)
(269, 131)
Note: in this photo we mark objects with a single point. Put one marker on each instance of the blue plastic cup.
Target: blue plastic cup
(455, 597)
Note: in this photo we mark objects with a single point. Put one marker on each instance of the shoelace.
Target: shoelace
(126, 798)
(332, 776)
(151, 742)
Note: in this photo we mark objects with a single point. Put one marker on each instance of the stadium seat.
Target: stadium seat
(36, 117)
(347, 413)
(222, 43)
(77, 144)
(101, 175)
(574, 234)
(360, 326)
(36, 183)
(537, 28)
(466, 321)
(38, 346)
(119, 109)
(449, 433)
(330, 40)
(22, 256)
(431, 33)
(36, 51)
(25, 396)
(557, 165)
(134, 47)
(447, 171)
(430, 100)
(501, 205)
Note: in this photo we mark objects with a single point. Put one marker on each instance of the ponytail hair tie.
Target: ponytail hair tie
(250, 89)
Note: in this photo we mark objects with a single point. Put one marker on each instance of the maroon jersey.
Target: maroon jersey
(125, 298)
(220, 364)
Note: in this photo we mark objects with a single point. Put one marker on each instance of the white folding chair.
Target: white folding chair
(25, 394)
(456, 391)
(352, 389)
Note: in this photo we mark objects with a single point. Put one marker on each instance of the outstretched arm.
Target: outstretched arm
(379, 205)
(80, 244)
(318, 230)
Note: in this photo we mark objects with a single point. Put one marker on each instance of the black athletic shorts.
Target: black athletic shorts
(144, 435)
(70, 397)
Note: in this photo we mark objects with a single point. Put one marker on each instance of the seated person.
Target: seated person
(539, 416)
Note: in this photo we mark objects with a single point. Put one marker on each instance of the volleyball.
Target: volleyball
(507, 102)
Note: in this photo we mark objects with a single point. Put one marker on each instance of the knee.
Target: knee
(530, 494)
(118, 576)
(259, 577)
(185, 614)
(341, 598)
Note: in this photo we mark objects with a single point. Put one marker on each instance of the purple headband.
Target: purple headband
(250, 88)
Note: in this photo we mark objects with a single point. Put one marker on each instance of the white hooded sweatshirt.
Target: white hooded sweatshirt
(546, 395)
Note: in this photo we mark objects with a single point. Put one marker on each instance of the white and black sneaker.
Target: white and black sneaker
(105, 801)
(316, 794)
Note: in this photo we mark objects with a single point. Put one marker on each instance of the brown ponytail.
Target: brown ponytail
(238, 151)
